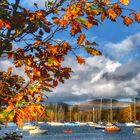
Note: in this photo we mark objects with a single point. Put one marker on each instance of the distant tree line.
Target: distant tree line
(73, 113)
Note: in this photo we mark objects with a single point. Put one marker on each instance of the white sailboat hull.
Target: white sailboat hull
(38, 131)
(130, 124)
(55, 124)
(29, 127)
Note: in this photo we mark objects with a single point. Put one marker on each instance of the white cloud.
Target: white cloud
(120, 50)
(99, 77)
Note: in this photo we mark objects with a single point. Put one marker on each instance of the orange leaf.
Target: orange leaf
(80, 60)
(10, 107)
(53, 50)
(56, 20)
(36, 72)
(9, 71)
(112, 14)
(1, 24)
(81, 39)
(89, 25)
(125, 2)
(37, 43)
(7, 25)
(137, 17)
(127, 21)
(39, 99)
(103, 16)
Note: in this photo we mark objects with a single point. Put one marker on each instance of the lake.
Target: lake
(79, 133)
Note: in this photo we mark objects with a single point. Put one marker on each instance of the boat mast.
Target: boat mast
(70, 114)
(93, 115)
(134, 109)
(56, 113)
(100, 119)
(111, 113)
(130, 114)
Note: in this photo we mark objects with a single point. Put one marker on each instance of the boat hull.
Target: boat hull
(100, 128)
(38, 131)
(30, 127)
(113, 129)
(130, 124)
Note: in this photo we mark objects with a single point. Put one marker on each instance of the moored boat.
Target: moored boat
(38, 131)
(130, 124)
(100, 126)
(29, 127)
(112, 128)
(71, 124)
(55, 123)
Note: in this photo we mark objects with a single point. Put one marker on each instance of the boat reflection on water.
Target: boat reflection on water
(67, 131)
(136, 130)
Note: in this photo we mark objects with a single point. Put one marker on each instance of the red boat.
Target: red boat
(69, 131)
(113, 128)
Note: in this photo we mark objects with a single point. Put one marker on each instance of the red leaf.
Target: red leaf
(10, 55)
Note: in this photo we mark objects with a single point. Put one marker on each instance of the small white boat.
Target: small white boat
(41, 122)
(55, 123)
(92, 124)
(130, 124)
(29, 127)
(100, 125)
(82, 123)
(38, 131)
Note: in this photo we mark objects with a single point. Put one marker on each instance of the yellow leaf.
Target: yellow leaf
(125, 2)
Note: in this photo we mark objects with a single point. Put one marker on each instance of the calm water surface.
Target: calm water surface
(79, 133)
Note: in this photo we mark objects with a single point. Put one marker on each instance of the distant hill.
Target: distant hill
(106, 104)
(62, 104)
(89, 105)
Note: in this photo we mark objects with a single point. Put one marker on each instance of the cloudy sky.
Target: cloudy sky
(116, 74)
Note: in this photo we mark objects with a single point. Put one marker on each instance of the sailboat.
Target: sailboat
(56, 122)
(110, 126)
(137, 125)
(100, 124)
(37, 129)
(29, 126)
(70, 123)
(93, 124)
(132, 123)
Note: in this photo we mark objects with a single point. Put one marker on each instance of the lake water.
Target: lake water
(79, 133)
